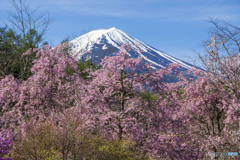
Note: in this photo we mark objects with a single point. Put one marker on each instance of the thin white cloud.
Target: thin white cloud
(153, 9)
(157, 10)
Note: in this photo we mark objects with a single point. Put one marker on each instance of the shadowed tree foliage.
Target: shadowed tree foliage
(23, 31)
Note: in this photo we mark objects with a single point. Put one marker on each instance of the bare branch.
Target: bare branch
(24, 20)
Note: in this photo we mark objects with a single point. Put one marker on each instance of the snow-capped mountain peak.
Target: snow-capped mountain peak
(103, 42)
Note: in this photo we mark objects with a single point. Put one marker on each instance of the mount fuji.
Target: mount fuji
(97, 44)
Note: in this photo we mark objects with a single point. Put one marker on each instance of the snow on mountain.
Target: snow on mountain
(104, 42)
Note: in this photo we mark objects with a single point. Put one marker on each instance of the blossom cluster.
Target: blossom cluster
(5, 144)
(182, 120)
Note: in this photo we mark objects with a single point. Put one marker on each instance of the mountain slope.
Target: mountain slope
(103, 42)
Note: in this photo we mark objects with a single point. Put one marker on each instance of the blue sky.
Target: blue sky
(176, 27)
